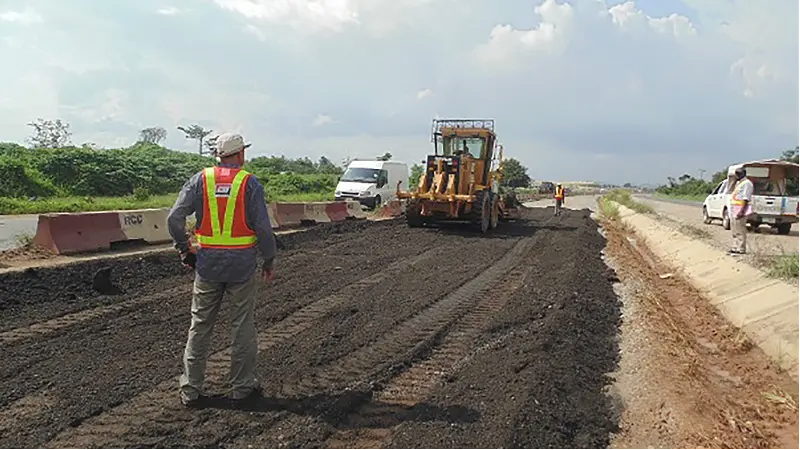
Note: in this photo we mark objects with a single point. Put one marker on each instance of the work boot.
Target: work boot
(253, 394)
(193, 402)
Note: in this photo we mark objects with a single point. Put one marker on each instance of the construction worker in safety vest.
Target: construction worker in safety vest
(559, 196)
(740, 209)
(232, 227)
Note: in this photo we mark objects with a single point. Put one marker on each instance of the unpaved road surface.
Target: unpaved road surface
(372, 335)
(765, 243)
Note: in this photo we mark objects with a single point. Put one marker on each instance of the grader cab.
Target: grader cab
(461, 181)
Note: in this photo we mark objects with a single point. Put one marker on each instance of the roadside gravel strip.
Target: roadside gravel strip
(373, 334)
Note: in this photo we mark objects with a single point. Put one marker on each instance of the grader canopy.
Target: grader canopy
(461, 181)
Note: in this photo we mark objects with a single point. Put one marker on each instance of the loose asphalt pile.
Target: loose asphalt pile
(372, 334)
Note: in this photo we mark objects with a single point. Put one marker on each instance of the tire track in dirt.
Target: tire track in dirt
(22, 410)
(53, 325)
(159, 402)
(420, 330)
(444, 331)
(368, 427)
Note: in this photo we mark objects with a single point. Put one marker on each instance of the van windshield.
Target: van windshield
(361, 175)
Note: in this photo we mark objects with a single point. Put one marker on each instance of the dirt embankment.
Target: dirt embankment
(373, 334)
(687, 377)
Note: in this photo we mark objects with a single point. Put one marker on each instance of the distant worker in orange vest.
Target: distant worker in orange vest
(741, 209)
(559, 196)
(232, 226)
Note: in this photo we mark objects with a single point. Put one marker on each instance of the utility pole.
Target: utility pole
(702, 171)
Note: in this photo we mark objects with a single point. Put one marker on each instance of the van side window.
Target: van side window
(383, 178)
(718, 189)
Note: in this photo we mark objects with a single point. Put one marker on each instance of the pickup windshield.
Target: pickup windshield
(361, 175)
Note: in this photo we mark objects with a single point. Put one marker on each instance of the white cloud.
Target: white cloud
(636, 93)
(27, 16)
(321, 120)
(169, 11)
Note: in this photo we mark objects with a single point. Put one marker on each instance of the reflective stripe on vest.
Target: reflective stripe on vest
(735, 201)
(560, 193)
(211, 234)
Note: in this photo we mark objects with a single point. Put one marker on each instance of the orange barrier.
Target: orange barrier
(393, 208)
(82, 232)
(69, 233)
(337, 211)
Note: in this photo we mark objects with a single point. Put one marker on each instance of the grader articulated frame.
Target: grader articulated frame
(461, 181)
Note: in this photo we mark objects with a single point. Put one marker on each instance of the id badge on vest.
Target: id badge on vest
(223, 190)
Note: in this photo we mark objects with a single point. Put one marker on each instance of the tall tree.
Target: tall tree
(416, 173)
(153, 135)
(792, 185)
(199, 133)
(515, 175)
(49, 134)
(327, 167)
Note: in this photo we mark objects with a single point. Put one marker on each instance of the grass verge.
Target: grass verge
(82, 204)
(784, 267)
(608, 210)
(624, 197)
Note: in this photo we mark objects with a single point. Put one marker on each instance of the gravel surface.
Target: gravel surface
(689, 219)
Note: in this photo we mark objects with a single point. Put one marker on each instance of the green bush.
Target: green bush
(67, 179)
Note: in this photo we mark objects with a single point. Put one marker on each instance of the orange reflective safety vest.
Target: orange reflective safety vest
(223, 224)
(559, 193)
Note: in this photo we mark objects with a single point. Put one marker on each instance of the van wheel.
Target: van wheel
(784, 228)
(706, 218)
(378, 203)
(726, 219)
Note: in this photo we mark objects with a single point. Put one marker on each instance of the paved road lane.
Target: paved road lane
(12, 226)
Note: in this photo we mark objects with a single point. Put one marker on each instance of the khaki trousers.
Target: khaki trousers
(739, 231)
(559, 203)
(206, 301)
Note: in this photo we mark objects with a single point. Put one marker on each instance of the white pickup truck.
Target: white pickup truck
(772, 204)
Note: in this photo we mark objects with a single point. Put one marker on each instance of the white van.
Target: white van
(372, 183)
(772, 203)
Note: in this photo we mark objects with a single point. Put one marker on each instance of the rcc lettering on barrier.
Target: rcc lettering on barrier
(133, 219)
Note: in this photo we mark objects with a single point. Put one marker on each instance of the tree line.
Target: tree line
(688, 186)
(52, 166)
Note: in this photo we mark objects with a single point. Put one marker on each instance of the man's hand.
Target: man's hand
(268, 274)
(189, 259)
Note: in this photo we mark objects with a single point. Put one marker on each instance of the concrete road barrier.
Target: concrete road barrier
(272, 212)
(70, 233)
(394, 208)
(336, 211)
(765, 309)
(290, 214)
(317, 212)
(354, 211)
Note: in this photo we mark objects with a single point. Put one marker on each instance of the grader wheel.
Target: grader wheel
(482, 211)
(414, 214)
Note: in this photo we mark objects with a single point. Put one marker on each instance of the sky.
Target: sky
(580, 90)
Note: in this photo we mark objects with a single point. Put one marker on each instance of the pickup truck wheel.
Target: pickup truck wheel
(784, 228)
(726, 219)
(706, 218)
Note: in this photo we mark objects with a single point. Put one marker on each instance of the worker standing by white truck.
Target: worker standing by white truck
(741, 208)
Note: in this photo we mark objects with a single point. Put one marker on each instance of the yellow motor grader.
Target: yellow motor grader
(461, 181)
